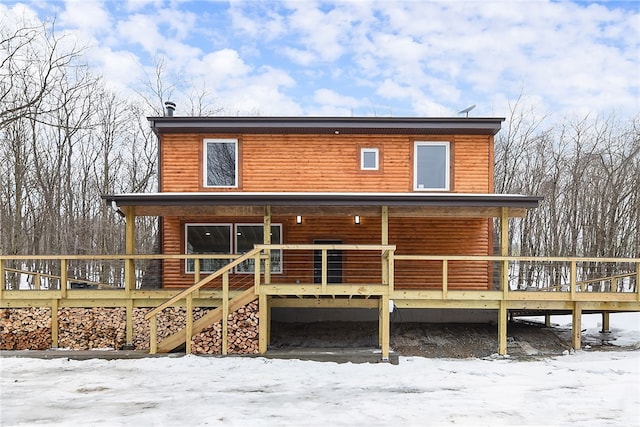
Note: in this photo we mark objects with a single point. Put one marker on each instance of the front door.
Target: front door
(334, 262)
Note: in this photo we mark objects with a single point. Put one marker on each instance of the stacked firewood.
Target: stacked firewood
(25, 329)
(169, 321)
(100, 328)
(91, 328)
(242, 334)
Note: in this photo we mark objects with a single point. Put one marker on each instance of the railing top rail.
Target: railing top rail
(356, 247)
(513, 258)
(203, 282)
(116, 257)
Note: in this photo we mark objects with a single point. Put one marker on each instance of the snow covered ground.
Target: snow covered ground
(588, 388)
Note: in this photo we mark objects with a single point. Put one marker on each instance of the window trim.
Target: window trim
(374, 150)
(447, 174)
(205, 164)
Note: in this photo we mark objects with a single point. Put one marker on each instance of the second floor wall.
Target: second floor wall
(326, 163)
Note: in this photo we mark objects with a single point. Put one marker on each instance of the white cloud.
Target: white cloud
(411, 57)
(89, 17)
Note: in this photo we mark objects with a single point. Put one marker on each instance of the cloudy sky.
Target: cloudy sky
(364, 58)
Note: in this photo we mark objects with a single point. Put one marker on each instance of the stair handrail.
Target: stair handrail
(251, 254)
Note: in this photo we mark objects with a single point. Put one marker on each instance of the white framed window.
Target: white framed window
(207, 239)
(369, 159)
(248, 235)
(220, 162)
(431, 166)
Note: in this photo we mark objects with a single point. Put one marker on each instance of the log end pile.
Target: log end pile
(105, 328)
(25, 329)
(242, 338)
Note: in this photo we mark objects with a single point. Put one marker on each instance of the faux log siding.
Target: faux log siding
(473, 165)
(424, 236)
(180, 163)
(440, 236)
(324, 162)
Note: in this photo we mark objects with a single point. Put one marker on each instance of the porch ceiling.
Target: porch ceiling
(369, 204)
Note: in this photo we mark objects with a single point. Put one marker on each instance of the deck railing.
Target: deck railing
(312, 270)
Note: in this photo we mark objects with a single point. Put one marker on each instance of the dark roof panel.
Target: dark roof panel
(326, 125)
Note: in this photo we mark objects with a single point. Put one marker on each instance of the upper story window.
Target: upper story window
(431, 166)
(369, 159)
(220, 162)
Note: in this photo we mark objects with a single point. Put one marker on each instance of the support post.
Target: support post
(324, 270)
(130, 244)
(129, 325)
(391, 270)
(225, 313)
(605, 322)
(384, 326)
(576, 327)
(638, 281)
(63, 278)
(502, 328)
(547, 320)
(267, 241)
(384, 240)
(3, 279)
(153, 335)
(196, 276)
(188, 330)
(55, 325)
(263, 325)
(504, 250)
(445, 278)
(573, 274)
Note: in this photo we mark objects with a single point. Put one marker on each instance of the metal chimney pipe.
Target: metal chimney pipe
(171, 107)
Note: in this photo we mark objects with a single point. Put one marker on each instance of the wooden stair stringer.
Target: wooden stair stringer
(178, 338)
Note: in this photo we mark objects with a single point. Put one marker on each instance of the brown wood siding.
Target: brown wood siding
(324, 163)
(473, 168)
(423, 236)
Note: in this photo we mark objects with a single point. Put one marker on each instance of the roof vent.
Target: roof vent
(171, 107)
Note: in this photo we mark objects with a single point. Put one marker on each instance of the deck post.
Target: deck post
(129, 324)
(225, 313)
(605, 322)
(504, 250)
(129, 266)
(547, 320)
(573, 274)
(576, 326)
(267, 241)
(502, 328)
(63, 278)
(55, 325)
(196, 276)
(445, 278)
(3, 282)
(638, 280)
(153, 334)
(384, 238)
(188, 330)
(384, 326)
(263, 323)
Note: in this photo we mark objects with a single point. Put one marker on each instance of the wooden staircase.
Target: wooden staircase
(179, 338)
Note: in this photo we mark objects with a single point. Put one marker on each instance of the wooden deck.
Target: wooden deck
(554, 284)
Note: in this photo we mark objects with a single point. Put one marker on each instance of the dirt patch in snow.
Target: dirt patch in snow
(449, 340)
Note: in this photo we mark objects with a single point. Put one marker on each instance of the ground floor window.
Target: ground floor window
(217, 239)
